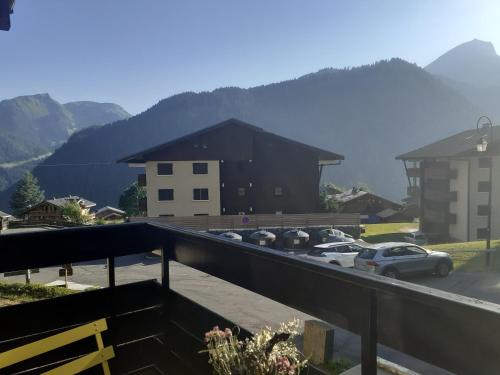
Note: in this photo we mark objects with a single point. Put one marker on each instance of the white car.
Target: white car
(338, 253)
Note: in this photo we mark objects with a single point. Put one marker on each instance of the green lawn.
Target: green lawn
(463, 261)
(375, 233)
(467, 261)
(19, 293)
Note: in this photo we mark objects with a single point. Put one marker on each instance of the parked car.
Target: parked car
(418, 238)
(395, 259)
(334, 235)
(338, 253)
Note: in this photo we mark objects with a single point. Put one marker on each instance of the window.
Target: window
(343, 249)
(395, 252)
(166, 194)
(164, 169)
(482, 210)
(484, 162)
(200, 194)
(278, 191)
(413, 250)
(200, 168)
(482, 233)
(241, 192)
(355, 248)
(367, 254)
(483, 186)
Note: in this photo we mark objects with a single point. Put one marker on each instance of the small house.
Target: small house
(110, 214)
(51, 211)
(4, 220)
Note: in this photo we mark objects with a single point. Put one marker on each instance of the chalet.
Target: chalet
(372, 207)
(110, 213)
(453, 180)
(232, 168)
(50, 211)
(4, 220)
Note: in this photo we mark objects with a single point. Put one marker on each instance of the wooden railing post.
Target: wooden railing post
(111, 272)
(369, 336)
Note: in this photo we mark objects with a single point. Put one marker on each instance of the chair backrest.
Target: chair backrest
(99, 357)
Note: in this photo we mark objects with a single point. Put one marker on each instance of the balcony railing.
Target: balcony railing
(151, 325)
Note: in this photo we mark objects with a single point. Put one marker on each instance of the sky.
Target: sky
(136, 53)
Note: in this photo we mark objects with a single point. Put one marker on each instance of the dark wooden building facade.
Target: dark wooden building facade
(257, 172)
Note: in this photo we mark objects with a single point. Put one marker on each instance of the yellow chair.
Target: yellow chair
(99, 357)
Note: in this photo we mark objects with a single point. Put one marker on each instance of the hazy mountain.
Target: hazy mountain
(33, 126)
(475, 63)
(473, 69)
(370, 114)
(87, 113)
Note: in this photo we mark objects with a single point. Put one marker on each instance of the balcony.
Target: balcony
(440, 217)
(153, 327)
(436, 195)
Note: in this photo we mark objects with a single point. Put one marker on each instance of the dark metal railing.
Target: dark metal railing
(446, 330)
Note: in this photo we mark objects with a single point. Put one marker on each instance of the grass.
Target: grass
(470, 261)
(338, 366)
(462, 260)
(19, 293)
(387, 232)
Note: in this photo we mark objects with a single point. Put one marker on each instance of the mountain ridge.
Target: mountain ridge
(358, 112)
(34, 125)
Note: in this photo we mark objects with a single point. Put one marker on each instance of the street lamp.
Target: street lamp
(485, 130)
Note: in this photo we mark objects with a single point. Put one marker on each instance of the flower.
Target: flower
(268, 352)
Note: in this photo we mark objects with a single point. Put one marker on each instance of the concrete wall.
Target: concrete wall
(183, 181)
(467, 188)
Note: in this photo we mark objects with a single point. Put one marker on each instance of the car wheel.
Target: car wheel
(391, 273)
(443, 269)
(335, 263)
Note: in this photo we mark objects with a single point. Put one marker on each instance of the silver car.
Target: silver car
(396, 259)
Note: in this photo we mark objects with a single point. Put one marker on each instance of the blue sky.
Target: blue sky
(135, 52)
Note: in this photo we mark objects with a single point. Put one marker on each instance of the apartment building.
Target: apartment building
(231, 168)
(453, 184)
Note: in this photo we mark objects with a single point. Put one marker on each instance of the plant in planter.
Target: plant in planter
(267, 353)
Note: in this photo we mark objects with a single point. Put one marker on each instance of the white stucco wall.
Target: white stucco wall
(183, 181)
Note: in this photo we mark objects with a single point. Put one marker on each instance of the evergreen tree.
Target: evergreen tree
(27, 194)
(129, 200)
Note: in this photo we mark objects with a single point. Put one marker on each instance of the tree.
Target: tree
(27, 194)
(73, 213)
(328, 203)
(129, 199)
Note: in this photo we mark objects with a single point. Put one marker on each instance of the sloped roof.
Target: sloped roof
(461, 144)
(388, 212)
(349, 195)
(110, 209)
(3, 214)
(142, 156)
(60, 202)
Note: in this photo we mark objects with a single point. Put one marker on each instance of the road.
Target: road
(252, 311)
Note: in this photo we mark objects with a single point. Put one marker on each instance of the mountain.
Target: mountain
(370, 114)
(33, 126)
(473, 69)
(475, 63)
(87, 113)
